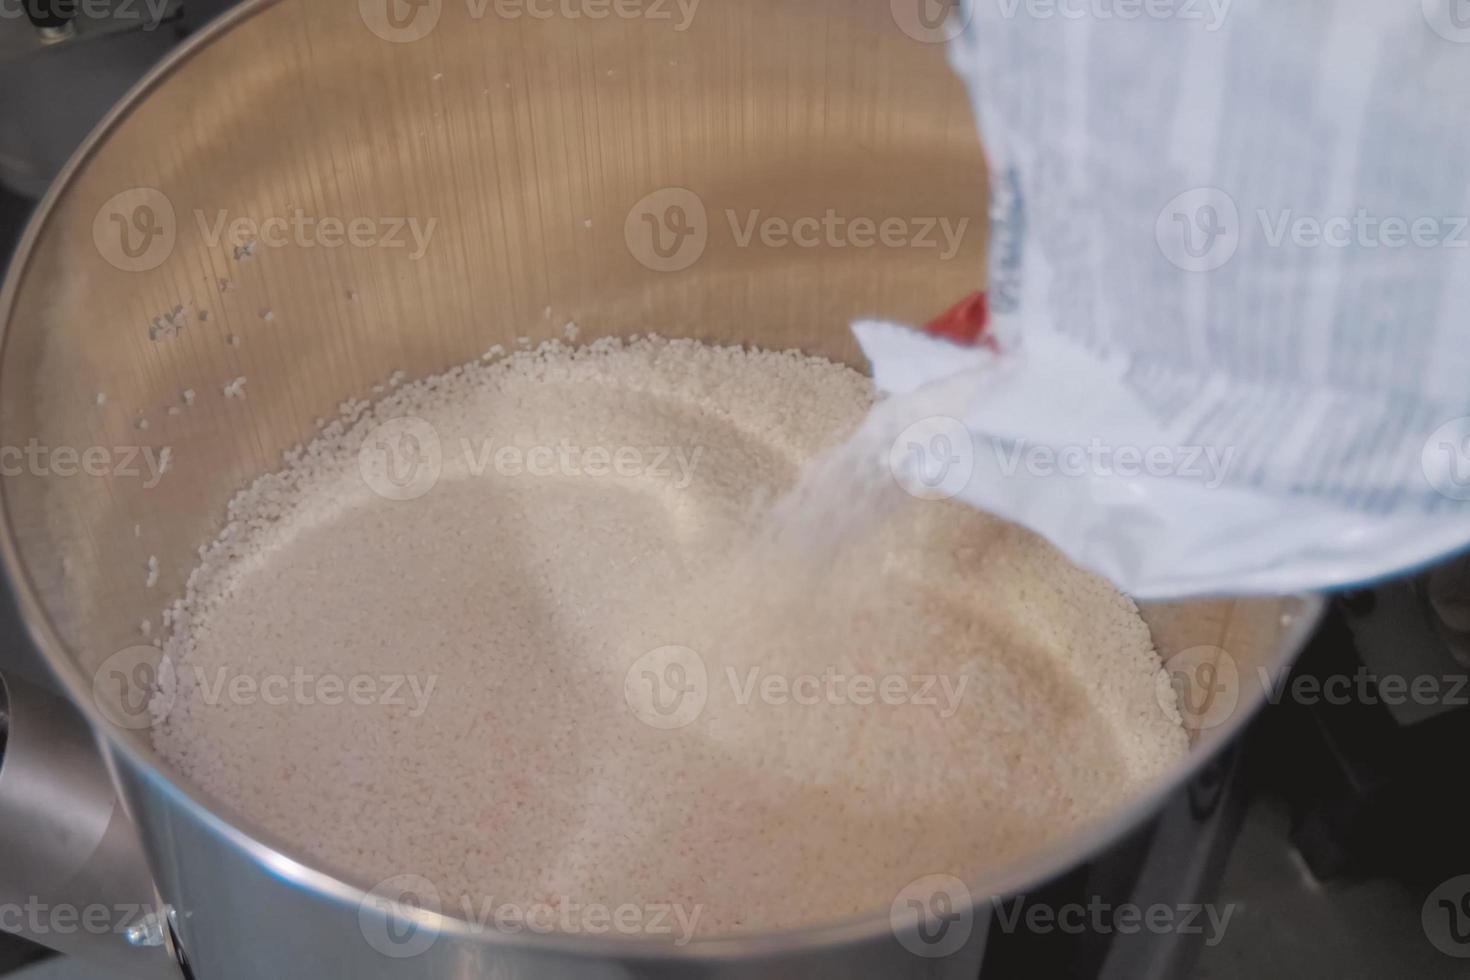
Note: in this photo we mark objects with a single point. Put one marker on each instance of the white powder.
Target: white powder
(168, 324)
(520, 615)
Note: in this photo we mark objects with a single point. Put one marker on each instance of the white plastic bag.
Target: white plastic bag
(1230, 283)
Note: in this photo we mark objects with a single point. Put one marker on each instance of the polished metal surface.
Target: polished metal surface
(619, 171)
(73, 876)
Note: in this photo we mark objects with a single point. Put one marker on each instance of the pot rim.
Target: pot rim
(287, 863)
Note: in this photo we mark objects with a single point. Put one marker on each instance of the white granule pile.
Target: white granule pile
(476, 685)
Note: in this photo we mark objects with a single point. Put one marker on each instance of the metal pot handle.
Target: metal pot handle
(72, 873)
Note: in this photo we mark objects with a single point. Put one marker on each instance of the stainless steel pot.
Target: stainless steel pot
(603, 160)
